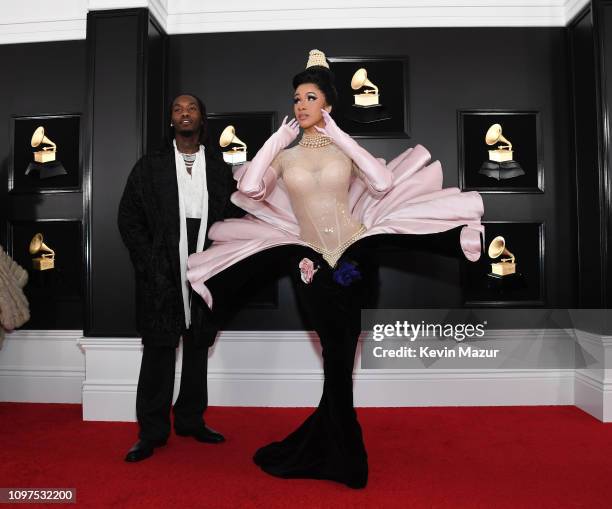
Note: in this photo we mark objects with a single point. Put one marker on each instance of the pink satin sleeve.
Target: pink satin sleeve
(376, 174)
(259, 178)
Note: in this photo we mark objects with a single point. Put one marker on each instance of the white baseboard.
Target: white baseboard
(593, 384)
(115, 401)
(42, 366)
(283, 369)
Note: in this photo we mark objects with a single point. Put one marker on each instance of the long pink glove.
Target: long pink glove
(378, 177)
(259, 178)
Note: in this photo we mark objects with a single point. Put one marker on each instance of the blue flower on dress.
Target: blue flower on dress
(346, 273)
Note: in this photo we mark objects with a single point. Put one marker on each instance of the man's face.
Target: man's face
(186, 115)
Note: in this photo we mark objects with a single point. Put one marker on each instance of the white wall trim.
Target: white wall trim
(158, 8)
(572, 8)
(593, 383)
(23, 22)
(234, 16)
(55, 335)
(283, 368)
(42, 366)
(43, 31)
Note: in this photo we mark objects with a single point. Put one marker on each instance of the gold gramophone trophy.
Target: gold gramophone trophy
(46, 154)
(501, 164)
(506, 266)
(502, 152)
(366, 107)
(369, 97)
(45, 159)
(46, 260)
(238, 153)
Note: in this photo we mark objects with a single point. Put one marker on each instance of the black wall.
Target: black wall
(40, 79)
(449, 69)
(126, 89)
(583, 66)
(602, 16)
(590, 43)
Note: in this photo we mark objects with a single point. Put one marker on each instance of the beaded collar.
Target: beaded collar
(315, 140)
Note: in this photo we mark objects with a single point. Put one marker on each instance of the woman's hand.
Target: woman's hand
(377, 175)
(259, 178)
(287, 132)
(331, 129)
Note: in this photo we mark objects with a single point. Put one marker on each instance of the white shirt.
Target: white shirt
(192, 186)
(193, 199)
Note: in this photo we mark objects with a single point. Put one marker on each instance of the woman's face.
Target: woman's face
(307, 103)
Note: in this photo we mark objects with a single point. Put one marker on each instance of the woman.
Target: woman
(329, 196)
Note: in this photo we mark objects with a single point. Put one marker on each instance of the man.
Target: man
(170, 200)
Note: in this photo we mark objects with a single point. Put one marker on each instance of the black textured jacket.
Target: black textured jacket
(150, 227)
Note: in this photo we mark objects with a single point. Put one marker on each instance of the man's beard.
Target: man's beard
(186, 134)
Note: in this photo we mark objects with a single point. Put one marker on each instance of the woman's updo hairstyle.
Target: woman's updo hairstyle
(318, 75)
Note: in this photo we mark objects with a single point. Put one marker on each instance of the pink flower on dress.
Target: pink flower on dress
(307, 270)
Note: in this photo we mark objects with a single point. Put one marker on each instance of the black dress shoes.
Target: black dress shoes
(142, 450)
(202, 434)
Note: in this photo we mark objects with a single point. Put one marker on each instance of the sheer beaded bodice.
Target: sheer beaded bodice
(317, 181)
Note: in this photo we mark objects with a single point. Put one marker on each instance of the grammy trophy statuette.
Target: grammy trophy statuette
(238, 153)
(506, 266)
(369, 97)
(366, 108)
(501, 164)
(45, 160)
(47, 259)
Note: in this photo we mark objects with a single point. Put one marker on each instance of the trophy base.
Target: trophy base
(366, 100)
(235, 158)
(46, 170)
(43, 263)
(501, 156)
(503, 268)
(44, 156)
(367, 114)
(512, 281)
(501, 171)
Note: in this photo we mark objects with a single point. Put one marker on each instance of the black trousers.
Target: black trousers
(157, 373)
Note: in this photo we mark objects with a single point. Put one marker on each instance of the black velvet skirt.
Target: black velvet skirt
(329, 443)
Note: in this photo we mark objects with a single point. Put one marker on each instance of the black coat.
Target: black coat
(149, 224)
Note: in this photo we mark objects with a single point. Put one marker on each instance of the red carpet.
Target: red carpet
(500, 457)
